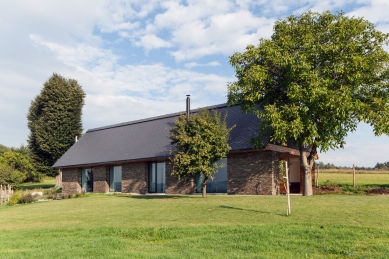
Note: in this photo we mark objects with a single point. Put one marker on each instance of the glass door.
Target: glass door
(115, 179)
(87, 180)
(157, 177)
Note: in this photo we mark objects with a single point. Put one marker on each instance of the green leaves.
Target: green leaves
(316, 78)
(199, 142)
(54, 119)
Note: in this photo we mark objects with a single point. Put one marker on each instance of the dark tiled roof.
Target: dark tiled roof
(148, 138)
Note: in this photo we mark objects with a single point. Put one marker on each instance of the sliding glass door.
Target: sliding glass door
(157, 178)
(115, 179)
(219, 182)
(87, 180)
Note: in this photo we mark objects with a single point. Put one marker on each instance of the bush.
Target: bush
(34, 177)
(26, 198)
(10, 176)
(15, 198)
(52, 191)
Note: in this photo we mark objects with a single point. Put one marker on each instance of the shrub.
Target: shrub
(26, 198)
(52, 191)
(10, 176)
(15, 198)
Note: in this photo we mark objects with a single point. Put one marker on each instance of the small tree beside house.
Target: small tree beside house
(200, 141)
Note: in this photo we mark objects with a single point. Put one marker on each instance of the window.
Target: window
(157, 177)
(219, 182)
(87, 180)
(115, 179)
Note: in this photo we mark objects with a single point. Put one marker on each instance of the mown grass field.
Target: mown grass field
(362, 178)
(108, 226)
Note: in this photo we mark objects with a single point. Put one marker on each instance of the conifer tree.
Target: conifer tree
(54, 119)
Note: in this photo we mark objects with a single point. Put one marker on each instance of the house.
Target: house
(133, 157)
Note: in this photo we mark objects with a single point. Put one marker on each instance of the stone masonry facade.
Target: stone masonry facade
(249, 173)
(134, 177)
(253, 173)
(71, 180)
(101, 179)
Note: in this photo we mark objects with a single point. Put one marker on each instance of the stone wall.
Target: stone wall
(253, 173)
(134, 177)
(101, 179)
(174, 186)
(71, 180)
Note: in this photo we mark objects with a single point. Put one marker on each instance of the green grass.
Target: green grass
(48, 182)
(362, 180)
(108, 226)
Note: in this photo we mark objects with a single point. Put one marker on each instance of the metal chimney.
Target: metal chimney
(76, 139)
(187, 106)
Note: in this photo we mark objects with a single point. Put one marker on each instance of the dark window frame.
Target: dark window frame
(111, 170)
(150, 165)
(83, 170)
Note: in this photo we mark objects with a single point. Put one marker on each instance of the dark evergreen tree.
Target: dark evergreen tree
(54, 119)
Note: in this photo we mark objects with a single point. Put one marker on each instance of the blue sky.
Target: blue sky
(138, 59)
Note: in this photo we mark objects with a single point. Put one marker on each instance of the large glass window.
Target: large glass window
(219, 182)
(115, 179)
(157, 177)
(87, 180)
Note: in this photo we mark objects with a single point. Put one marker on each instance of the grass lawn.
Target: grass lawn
(108, 226)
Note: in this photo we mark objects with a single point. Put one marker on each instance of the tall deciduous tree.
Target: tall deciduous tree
(313, 81)
(200, 141)
(54, 119)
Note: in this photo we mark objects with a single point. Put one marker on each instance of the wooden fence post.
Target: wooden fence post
(1, 194)
(317, 176)
(354, 175)
(287, 188)
(9, 192)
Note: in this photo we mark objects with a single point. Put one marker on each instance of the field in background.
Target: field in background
(48, 182)
(345, 178)
(108, 226)
(350, 171)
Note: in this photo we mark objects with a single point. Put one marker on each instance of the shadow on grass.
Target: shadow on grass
(155, 197)
(241, 209)
(365, 185)
(38, 186)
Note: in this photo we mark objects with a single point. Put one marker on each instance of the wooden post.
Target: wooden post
(317, 177)
(9, 193)
(1, 194)
(354, 175)
(287, 188)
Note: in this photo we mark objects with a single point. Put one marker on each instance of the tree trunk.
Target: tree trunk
(204, 191)
(307, 163)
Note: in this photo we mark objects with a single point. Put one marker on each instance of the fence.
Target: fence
(5, 193)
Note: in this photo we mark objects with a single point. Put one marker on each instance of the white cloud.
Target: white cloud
(195, 64)
(149, 42)
(376, 11)
(223, 34)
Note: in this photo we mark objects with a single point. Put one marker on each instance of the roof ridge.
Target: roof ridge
(217, 106)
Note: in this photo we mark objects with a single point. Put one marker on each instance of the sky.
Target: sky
(138, 59)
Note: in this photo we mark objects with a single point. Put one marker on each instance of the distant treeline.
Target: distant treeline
(378, 166)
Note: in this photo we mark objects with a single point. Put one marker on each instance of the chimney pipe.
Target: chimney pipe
(76, 138)
(187, 106)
